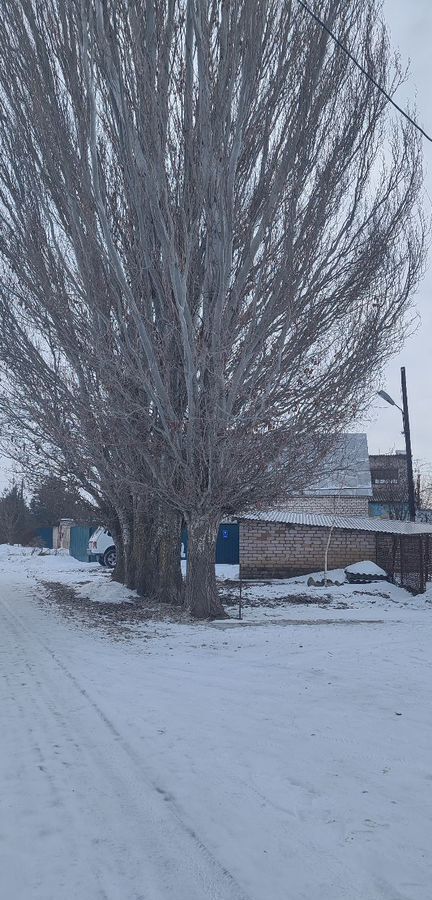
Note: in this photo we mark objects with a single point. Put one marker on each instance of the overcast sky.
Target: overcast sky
(410, 25)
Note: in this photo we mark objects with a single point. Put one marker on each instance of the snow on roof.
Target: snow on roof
(351, 523)
(346, 471)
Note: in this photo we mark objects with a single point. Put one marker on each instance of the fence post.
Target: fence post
(421, 566)
(401, 559)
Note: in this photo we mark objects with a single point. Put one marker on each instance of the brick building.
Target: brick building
(282, 544)
(342, 487)
(349, 505)
(292, 539)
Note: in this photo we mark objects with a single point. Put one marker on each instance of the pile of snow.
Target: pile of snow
(428, 593)
(281, 599)
(89, 580)
(9, 550)
(104, 590)
(365, 572)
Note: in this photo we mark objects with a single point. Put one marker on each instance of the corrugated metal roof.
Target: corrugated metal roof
(351, 523)
(346, 471)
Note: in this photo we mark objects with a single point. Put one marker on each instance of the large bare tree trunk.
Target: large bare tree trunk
(142, 561)
(126, 545)
(201, 594)
(148, 550)
(119, 572)
(169, 587)
(155, 556)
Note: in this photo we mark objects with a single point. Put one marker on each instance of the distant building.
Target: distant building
(389, 486)
(342, 485)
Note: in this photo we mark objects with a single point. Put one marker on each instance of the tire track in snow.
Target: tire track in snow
(174, 852)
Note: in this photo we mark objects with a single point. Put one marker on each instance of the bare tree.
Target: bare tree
(424, 491)
(221, 200)
(57, 431)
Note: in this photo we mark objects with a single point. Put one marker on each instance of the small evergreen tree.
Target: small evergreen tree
(55, 499)
(16, 521)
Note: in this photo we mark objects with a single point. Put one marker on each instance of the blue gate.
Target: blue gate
(45, 534)
(227, 546)
(79, 538)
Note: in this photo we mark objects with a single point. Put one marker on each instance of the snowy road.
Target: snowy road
(84, 820)
(284, 762)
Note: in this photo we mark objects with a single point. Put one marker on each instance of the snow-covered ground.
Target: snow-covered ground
(284, 757)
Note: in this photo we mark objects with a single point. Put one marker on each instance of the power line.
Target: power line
(362, 69)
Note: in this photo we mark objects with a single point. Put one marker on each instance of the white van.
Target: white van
(102, 546)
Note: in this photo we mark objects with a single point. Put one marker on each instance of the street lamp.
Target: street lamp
(407, 433)
(388, 399)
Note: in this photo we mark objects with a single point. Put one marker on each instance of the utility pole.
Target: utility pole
(407, 433)
(418, 491)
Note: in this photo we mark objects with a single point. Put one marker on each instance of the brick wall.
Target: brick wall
(271, 550)
(342, 506)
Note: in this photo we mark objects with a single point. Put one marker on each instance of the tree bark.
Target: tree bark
(111, 519)
(201, 594)
(143, 563)
(126, 547)
(169, 587)
(119, 573)
(156, 553)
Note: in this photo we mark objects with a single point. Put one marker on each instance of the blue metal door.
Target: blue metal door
(79, 538)
(227, 546)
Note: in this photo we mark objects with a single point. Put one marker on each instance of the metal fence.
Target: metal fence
(79, 538)
(406, 558)
(46, 537)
